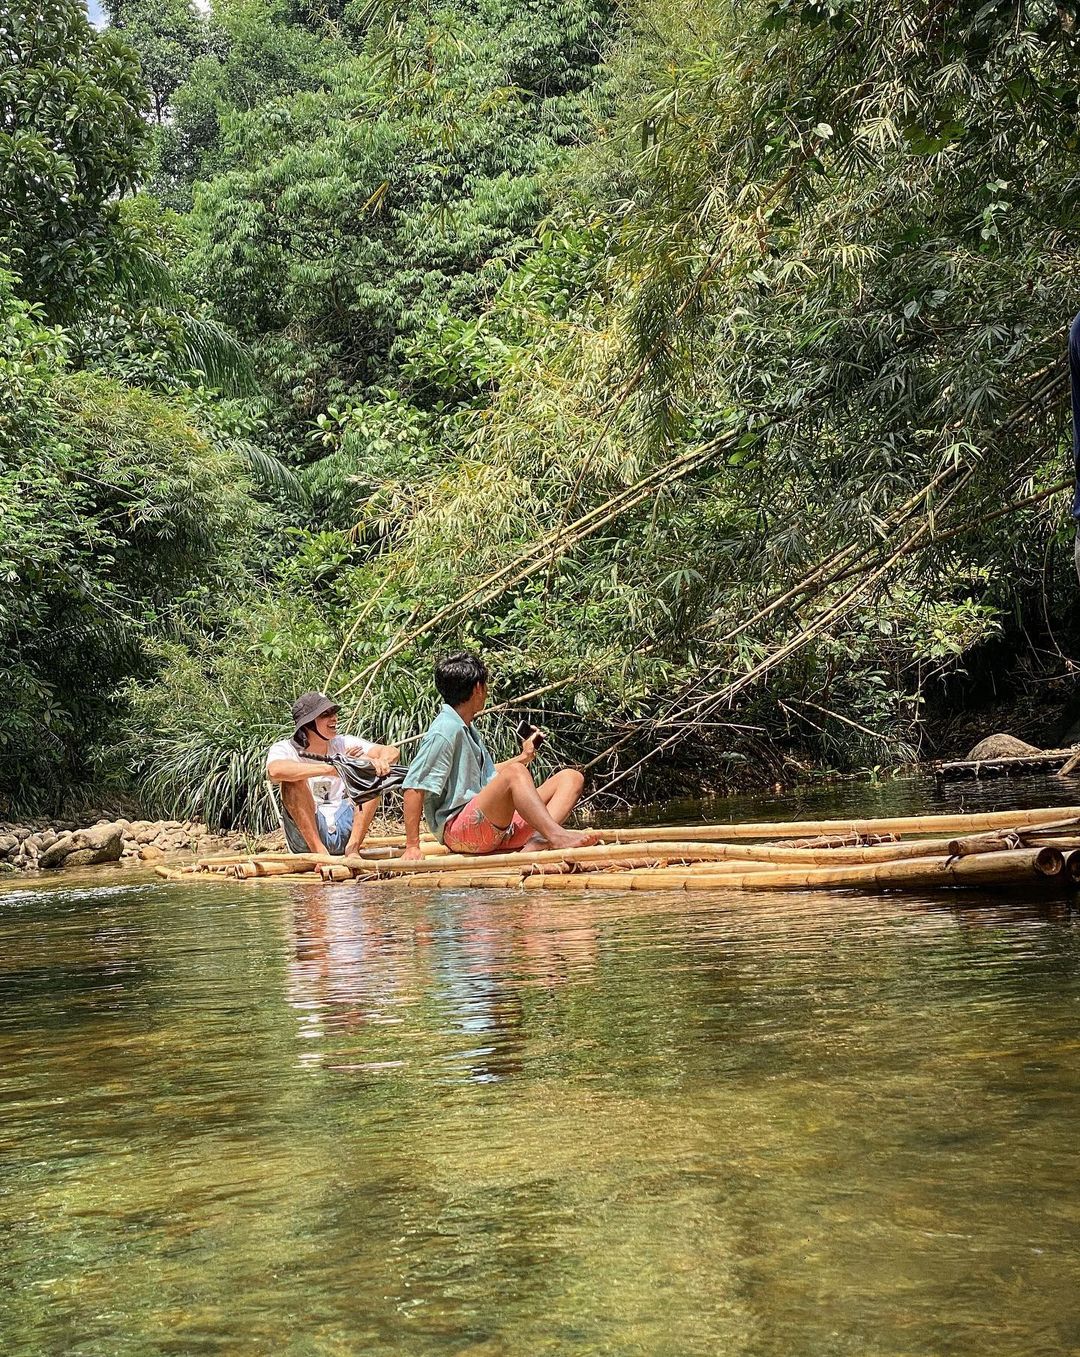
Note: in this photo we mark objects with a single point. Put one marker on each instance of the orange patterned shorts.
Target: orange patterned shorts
(470, 831)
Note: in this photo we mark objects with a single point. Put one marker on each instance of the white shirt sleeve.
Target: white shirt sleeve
(282, 749)
(350, 744)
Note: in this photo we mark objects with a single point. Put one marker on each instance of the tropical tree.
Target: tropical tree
(120, 512)
(167, 38)
(72, 142)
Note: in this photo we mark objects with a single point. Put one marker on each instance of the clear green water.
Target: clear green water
(329, 1120)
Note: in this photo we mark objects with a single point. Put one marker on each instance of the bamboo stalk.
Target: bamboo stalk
(335, 872)
(896, 824)
(993, 842)
(282, 868)
(429, 849)
(527, 869)
(1016, 866)
(602, 853)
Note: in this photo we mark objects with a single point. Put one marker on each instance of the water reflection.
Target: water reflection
(242, 1118)
(358, 960)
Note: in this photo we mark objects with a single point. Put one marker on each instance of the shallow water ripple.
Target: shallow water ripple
(270, 1117)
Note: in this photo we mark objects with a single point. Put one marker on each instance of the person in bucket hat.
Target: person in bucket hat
(322, 814)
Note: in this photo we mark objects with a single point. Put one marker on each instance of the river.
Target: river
(298, 1119)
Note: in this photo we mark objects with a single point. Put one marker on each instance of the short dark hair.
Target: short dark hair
(457, 675)
(303, 734)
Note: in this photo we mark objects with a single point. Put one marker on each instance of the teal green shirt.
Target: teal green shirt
(450, 767)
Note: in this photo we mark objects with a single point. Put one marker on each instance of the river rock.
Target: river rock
(9, 845)
(86, 847)
(1002, 747)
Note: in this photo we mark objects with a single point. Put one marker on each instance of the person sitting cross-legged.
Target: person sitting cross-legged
(472, 804)
(322, 814)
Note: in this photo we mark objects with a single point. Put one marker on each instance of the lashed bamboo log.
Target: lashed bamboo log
(798, 829)
(846, 841)
(605, 853)
(431, 849)
(335, 872)
(527, 869)
(1013, 866)
(661, 852)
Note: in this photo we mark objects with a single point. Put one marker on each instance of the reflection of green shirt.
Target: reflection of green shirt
(450, 767)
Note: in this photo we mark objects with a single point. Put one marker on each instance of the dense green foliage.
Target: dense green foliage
(71, 143)
(703, 365)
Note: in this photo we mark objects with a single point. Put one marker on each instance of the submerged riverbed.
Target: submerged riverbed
(289, 1118)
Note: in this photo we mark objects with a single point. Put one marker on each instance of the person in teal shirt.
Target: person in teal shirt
(471, 803)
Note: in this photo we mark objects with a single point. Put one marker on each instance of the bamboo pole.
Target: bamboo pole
(335, 872)
(521, 871)
(897, 824)
(1008, 867)
(431, 849)
(602, 853)
(282, 868)
(919, 873)
(1011, 867)
(993, 842)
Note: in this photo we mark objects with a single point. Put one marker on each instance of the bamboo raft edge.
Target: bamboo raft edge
(998, 846)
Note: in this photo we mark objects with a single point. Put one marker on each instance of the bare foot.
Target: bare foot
(574, 838)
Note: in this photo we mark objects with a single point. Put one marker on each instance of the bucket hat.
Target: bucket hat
(309, 707)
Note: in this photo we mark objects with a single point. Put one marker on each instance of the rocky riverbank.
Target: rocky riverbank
(48, 846)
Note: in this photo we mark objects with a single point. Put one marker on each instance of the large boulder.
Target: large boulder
(85, 847)
(1002, 747)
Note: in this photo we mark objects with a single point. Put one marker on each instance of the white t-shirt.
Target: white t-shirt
(329, 791)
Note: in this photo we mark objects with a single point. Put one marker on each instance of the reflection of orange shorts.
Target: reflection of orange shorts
(470, 831)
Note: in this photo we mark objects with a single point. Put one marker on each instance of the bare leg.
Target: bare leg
(297, 799)
(362, 818)
(512, 789)
(561, 792)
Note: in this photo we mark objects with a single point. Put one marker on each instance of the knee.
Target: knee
(574, 780)
(294, 794)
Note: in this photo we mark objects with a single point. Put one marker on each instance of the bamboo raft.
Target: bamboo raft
(1015, 765)
(1036, 849)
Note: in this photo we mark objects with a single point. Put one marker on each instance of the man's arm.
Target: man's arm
(382, 757)
(413, 809)
(297, 770)
(528, 753)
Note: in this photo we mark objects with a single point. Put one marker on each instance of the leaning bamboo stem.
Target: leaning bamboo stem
(821, 623)
(530, 561)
